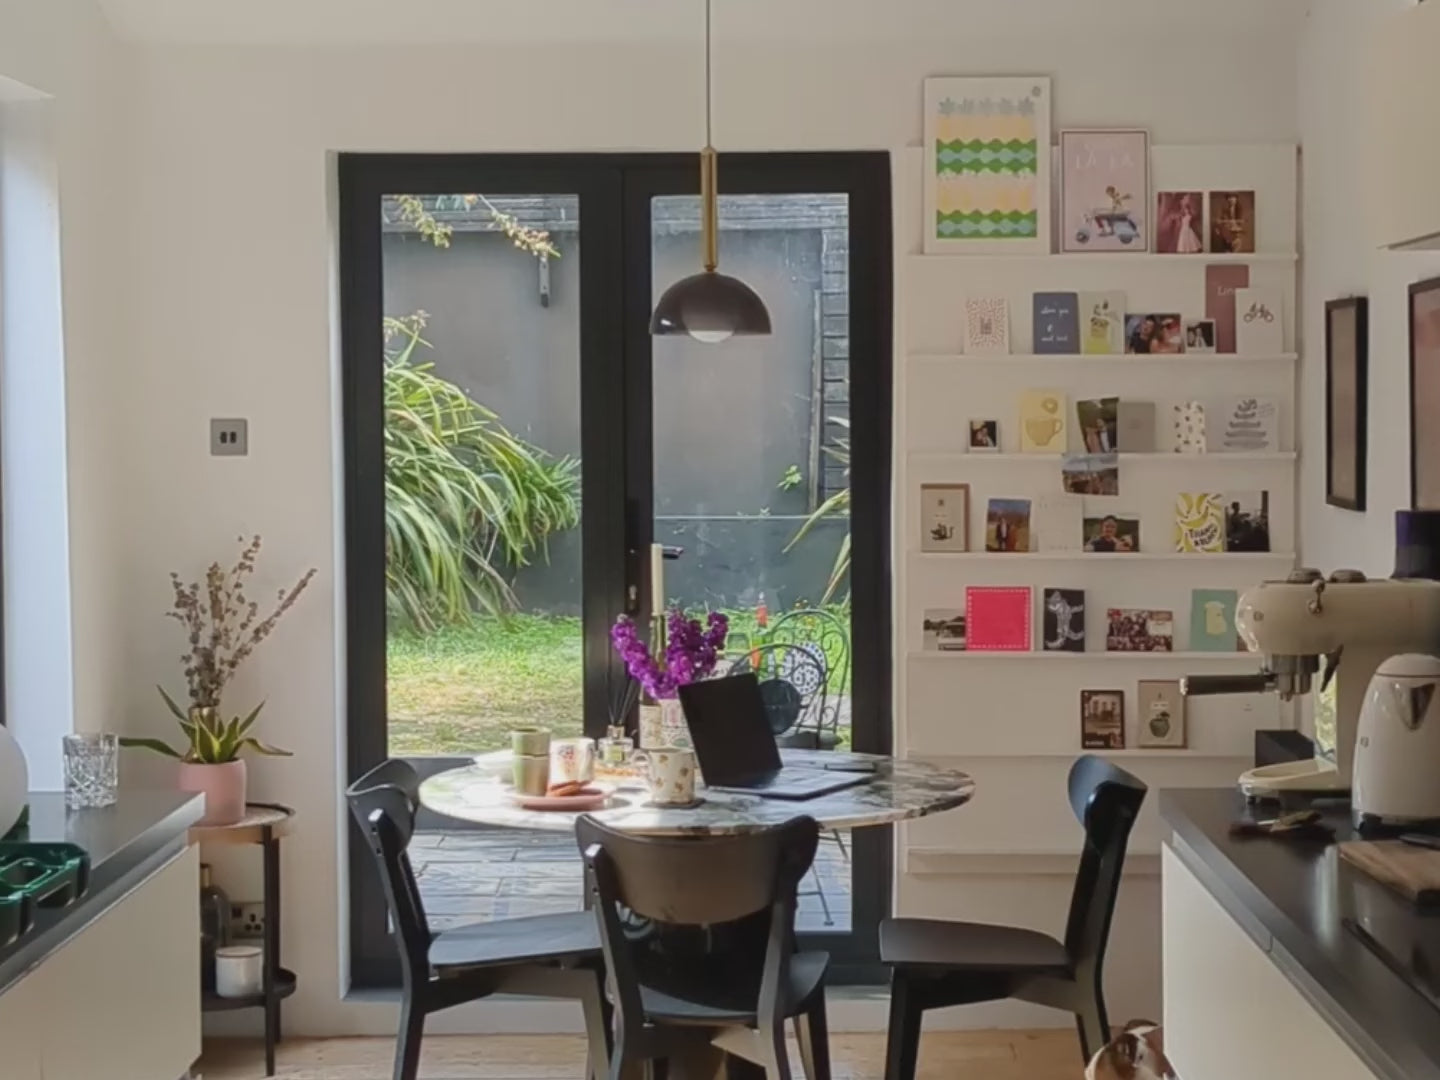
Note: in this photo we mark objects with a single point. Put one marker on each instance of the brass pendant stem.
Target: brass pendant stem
(710, 207)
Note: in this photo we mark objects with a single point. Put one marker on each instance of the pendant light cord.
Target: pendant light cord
(709, 84)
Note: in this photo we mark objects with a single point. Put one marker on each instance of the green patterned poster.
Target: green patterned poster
(987, 165)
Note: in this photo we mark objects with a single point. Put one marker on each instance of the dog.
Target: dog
(1136, 1054)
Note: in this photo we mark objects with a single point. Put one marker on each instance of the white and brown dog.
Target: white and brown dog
(1137, 1054)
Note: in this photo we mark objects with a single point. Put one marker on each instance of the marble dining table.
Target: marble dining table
(898, 790)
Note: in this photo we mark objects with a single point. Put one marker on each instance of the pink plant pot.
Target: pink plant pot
(223, 787)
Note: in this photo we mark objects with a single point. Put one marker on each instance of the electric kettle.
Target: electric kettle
(1397, 747)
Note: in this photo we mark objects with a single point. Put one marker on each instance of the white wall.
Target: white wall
(1341, 259)
(228, 292)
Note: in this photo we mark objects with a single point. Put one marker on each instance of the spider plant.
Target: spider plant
(465, 500)
(837, 505)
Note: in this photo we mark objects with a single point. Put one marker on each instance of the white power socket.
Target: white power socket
(247, 920)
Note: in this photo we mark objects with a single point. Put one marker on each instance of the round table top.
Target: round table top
(899, 790)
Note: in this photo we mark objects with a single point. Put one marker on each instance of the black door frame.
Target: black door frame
(616, 475)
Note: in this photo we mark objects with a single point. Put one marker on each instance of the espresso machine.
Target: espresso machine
(1329, 635)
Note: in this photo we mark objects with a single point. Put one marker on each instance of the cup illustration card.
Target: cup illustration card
(1042, 422)
(1212, 621)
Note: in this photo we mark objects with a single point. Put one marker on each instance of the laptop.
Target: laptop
(737, 750)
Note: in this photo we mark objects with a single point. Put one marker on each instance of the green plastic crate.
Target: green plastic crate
(49, 875)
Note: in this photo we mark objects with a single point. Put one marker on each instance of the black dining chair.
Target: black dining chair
(673, 1000)
(543, 956)
(936, 963)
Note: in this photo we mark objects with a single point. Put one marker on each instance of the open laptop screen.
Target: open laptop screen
(730, 729)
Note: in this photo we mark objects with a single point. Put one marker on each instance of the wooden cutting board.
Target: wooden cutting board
(1413, 872)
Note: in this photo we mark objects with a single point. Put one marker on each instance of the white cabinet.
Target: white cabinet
(121, 1000)
(1403, 158)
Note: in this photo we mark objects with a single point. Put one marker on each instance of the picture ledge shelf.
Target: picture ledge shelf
(1098, 557)
(1114, 257)
(1173, 458)
(1039, 654)
(1193, 360)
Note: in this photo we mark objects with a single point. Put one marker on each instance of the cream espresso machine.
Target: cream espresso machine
(1328, 635)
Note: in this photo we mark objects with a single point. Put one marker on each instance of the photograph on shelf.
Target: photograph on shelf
(1259, 329)
(1425, 395)
(1135, 427)
(944, 517)
(1347, 330)
(1099, 419)
(1102, 719)
(1056, 522)
(1091, 474)
(984, 436)
(1007, 525)
(1113, 534)
(987, 326)
(1232, 222)
(997, 618)
(1055, 324)
(1180, 223)
(1154, 334)
(1102, 323)
(1190, 427)
(1200, 336)
(1042, 422)
(978, 202)
(1160, 715)
(1212, 621)
(1063, 622)
(1200, 523)
(1221, 282)
(1247, 521)
(1104, 190)
(1243, 425)
(944, 630)
(1139, 630)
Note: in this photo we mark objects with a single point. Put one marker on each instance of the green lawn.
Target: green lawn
(462, 690)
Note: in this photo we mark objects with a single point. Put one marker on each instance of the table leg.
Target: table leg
(270, 855)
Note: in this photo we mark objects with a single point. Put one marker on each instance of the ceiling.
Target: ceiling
(416, 22)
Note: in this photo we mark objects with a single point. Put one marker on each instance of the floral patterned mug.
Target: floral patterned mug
(670, 773)
(572, 761)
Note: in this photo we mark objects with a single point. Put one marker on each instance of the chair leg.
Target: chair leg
(407, 1045)
(812, 1032)
(778, 1067)
(902, 1047)
(1093, 1025)
(597, 1028)
(820, 894)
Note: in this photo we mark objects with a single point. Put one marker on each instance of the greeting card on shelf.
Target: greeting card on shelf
(987, 326)
(1057, 521)
(1102, 323)
(1135, 423)
(944, 630)
(1056, 324)
(1090, 474)
(1190, 428)
(1199, 523)
(1259, 329)
(997, 618)
(1212, 621)
(1007, 526)
(1221, 282)
(1063, 620)
(1161, 724)
(1042, 422)
(1140, 630)
(1247, 521)
(1243, 425)
(944, 517)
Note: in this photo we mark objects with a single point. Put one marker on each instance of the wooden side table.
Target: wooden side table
(263, 824)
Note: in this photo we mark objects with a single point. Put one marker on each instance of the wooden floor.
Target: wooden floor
(984, 1055)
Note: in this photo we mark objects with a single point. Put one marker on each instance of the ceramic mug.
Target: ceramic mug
(572, 761)
(670, 774)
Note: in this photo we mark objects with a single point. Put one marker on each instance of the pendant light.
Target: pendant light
(710, 306)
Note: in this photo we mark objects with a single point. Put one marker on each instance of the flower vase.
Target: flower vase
(223, 787)
(651, 731)
(673, 728)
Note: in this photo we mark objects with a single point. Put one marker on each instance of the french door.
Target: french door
(515, 440)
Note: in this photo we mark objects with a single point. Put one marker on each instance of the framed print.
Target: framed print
(987, 166)
(1425, 394)
(1104, 190)
(1102, 719)
(1347, 337)
(945, 517)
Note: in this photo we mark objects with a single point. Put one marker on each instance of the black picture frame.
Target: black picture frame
(1358, 307)
(1417, 291)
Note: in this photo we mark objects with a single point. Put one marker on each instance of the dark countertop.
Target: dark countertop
(1291, 899)
(127, 843)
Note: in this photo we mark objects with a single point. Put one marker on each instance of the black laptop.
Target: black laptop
(737, 750)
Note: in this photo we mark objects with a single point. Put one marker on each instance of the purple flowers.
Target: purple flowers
(690, 651)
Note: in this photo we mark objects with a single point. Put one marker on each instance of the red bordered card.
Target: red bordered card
(997, 618)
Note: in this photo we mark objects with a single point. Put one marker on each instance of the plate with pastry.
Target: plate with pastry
(574, 797)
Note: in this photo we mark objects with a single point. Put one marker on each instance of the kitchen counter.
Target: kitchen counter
(1290, 900)
(127, 844)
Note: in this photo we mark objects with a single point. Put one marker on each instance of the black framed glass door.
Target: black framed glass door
(515, 440)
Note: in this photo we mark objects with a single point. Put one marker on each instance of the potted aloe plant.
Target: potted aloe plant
(223, 627)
